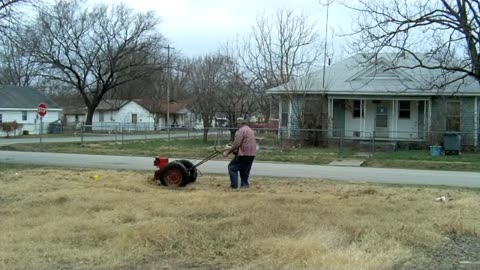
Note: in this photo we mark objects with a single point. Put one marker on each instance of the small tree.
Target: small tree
(281, 47)
(207, 78)
(9, 127)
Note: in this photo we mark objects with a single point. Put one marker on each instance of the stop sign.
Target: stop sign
(42, 109)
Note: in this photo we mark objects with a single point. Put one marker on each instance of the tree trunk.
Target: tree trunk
(89, 118)
(205, 135)
(232, 134)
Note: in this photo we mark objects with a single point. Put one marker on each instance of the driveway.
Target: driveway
(353, 174)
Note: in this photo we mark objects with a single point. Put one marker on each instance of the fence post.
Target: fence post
(145, 132)
(41, 132)
(121, 131)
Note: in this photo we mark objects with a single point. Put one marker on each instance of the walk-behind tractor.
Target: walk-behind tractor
(178, 173)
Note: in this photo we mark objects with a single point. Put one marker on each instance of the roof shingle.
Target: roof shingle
(24, 97)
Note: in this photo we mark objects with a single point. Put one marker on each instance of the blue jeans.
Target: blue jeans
(242, 165)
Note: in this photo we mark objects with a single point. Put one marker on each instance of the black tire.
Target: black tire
(174, 174)
(192, 171)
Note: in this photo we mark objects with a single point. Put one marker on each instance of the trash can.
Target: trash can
(436, 150)
(55, 127)
(452, 143)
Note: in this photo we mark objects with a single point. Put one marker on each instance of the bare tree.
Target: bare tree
(94, 49)
(207, 78)
(7, 9)
(441, 36)
(235, 99)
(17, 66)
(279, 49)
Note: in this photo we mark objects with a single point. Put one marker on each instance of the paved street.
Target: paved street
(102, 138)
(354, 174)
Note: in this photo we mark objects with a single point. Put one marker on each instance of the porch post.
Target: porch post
(364, 116)
(330, 117)
(362, 113)
(425, 124)
(395, 118)
(289, 121)
(429, 114)
(476, 123)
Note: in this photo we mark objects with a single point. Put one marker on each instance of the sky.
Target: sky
(198, 27)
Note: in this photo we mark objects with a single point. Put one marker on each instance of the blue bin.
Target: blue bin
(436, 150)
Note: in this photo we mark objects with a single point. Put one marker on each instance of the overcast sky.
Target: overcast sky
(198, 27)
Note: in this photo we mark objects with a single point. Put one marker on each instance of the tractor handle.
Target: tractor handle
(209, 157)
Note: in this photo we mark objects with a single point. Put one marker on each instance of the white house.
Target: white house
(135, 114)
(20, 104)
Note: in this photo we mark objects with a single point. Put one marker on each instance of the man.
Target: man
(244, 148)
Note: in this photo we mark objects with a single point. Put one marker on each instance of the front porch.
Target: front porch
(385, 119)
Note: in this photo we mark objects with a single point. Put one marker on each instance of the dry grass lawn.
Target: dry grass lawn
(62, 219)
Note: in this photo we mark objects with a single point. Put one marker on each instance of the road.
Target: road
(101, 138)
(353, 174)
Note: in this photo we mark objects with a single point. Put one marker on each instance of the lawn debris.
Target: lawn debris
(443, 198)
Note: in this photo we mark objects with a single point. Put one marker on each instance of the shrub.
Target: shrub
(8, 127)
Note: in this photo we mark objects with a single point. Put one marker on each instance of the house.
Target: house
(20, 104)
(362, 100)
(134, 114)
(176, 112)
(74, 116)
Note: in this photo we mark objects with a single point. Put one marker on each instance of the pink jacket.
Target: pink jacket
(245, 142)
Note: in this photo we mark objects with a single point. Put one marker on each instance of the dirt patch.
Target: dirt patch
(458, 252)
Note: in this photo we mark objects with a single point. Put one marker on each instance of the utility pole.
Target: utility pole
(168, 88)
(325, 47)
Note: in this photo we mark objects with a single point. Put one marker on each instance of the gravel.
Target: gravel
(459, 252)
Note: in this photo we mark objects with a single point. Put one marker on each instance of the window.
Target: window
(357, 109)
(453, 116)
(404, 109)
(24, 115)
(134, 118)
(285, 106)
(101, 116)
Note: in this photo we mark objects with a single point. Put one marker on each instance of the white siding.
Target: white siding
(124, 115)
(408, 128)
(398, 128)
(70, 120)
(32, 124)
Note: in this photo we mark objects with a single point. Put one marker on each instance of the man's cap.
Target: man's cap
(241, 120)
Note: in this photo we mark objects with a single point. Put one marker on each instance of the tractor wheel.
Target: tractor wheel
(192, 172)
(174, 174)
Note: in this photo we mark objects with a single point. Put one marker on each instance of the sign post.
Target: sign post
(42, 111)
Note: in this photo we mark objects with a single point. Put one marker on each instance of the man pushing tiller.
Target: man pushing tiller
(180, 173)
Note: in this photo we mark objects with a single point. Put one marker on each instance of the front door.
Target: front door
(381, 121)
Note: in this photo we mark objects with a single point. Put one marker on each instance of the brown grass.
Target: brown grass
(54, 218)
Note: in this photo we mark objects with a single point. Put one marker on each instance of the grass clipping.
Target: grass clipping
(54, 218)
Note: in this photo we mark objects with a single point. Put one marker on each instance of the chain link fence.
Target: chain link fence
(343, 141)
